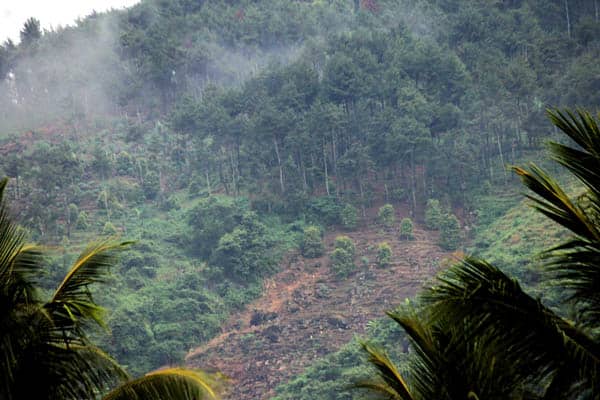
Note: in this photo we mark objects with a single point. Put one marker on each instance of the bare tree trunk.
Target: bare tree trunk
(208, 183)
(303, 169)
(413, 182)
(325, 167)
(279, 165)
(362, 199)
(334, 152)
(568, 18)
(501, 155)
(233, 179)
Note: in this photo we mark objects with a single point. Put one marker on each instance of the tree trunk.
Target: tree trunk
(413, 181)
(362, 199)
(208, 182)
(501, 155)
(568, 18)
(233, 179)
(279, 165)
(325, 168)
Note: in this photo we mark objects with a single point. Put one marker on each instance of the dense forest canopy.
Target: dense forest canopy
(217, 133)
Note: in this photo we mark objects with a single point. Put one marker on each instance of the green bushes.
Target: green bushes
(349, 217)
(312, 243)
(433, 214)
(446, 222)
(406, 229)
(384, 255)
(449, 232)
(342, 257)
(386, 215)
(243, 255)
(324, 209)
(211, 218)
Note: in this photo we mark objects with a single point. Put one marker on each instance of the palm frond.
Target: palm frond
(392, 385)
(65, 372)
(527, 337)
(172, 383)
(574, 264)
(554, 203)
(72, 302)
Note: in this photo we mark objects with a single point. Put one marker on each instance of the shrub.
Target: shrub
(386, 215)
(433, 214)
(151, 185)
(406, 229)
(312, 244)
(82, 221)
(325, 209)
(344, 242)
(109, 229)
(384, 255)
(125, 164)
(342, 257)
(349, 216)
(244, 255)
(449, 232)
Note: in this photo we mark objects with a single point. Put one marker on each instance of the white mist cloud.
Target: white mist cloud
(51, 13)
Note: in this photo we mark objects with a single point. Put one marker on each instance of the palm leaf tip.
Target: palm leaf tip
(391, 384)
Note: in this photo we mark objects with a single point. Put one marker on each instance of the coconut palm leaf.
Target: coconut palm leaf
(575, 264)
(390, 384)
(518, 330)
(72, 303)
(172, 383)
(65, 372)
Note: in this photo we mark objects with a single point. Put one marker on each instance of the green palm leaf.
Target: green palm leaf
(172, 383)
(575, 264)
(72, 302)
(391, 384)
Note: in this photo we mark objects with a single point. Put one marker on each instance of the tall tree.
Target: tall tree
(30, 32)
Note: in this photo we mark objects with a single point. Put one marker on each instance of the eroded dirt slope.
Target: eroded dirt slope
(306, 312)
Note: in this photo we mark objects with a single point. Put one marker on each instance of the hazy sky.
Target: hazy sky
(51, 13)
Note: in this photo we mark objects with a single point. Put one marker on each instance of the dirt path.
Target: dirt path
(306, 312)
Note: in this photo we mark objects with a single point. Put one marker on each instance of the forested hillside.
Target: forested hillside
(222, 135)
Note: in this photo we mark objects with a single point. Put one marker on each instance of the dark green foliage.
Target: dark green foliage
(325, 209)
(450, 233)
(243, 255)
(312, 242)
(151, 185)
(342, 257)
(109, 229)
(31, 32)
(349, 217)
(82, 221)
(384, 255)
(212, 218)
(433, 214)
(406, 229)
(386, 215)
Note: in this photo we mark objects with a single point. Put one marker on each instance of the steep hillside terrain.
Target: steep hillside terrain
(307, 312)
